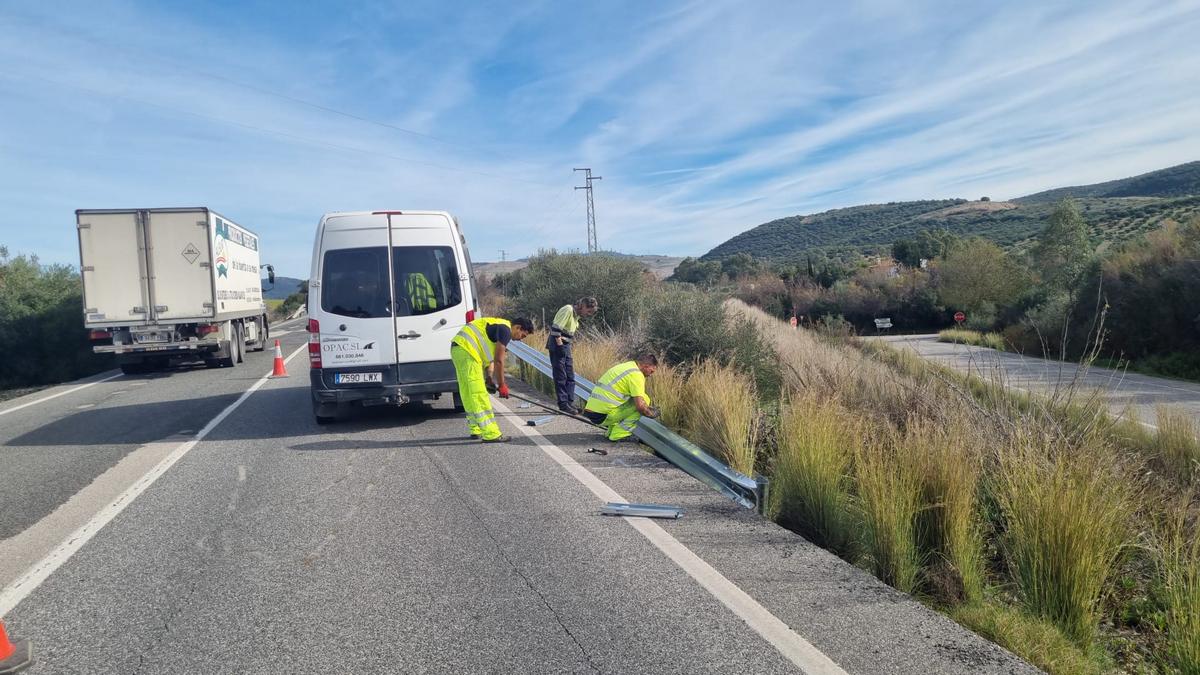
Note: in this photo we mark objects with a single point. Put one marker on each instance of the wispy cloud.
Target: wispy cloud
(705, 118)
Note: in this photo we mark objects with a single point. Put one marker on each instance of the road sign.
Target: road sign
(960, 317)
(880, 324)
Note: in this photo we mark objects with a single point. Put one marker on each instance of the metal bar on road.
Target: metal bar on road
(641, 510)
(746, 491)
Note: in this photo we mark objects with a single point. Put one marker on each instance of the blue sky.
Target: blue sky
(704, 118)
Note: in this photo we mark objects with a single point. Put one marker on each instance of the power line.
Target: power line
(592, 244)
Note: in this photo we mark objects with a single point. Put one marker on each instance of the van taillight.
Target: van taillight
(470, 315)
(314, 343)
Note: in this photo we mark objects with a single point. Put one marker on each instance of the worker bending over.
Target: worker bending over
(562, 333)
(619, 398)
(481, 343)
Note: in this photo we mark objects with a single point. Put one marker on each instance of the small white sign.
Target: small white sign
(190, 252)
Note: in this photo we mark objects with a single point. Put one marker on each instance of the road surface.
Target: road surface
(200, 521)
(1133, 395)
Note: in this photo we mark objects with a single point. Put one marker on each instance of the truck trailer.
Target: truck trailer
(170, 284)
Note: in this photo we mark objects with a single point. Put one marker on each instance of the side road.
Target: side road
(1126, 393)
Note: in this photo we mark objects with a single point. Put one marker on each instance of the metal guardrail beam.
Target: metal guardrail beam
(749, 492)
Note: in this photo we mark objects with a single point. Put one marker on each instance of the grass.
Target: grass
(722, 414)
(1067, 517)
(1039, 641)
(667, 390)
(811, 488)
(889, 500)
(972, 337)
(1180, 569)
(1177, 443)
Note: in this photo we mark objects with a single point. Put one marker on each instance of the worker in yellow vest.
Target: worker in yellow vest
(619, 398)
(558, 343)
(481, 343)
(421, 296)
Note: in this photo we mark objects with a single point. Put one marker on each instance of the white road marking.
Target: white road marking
(789, 643)
(85, 406)
(241, 473)
(61, 393)
(18, 590)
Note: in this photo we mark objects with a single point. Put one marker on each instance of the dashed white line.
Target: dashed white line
(18, 590)
(61, 393)
(772, 629)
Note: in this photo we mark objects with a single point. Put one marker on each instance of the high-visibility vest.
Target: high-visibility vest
(612, 390)
(473, 338)
(420, 293)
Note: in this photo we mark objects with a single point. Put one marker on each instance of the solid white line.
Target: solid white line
(789, 643)
(61, 393)
(18, 590)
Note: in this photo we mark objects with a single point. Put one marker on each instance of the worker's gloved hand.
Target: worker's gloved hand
(504, 391)
(654, 413)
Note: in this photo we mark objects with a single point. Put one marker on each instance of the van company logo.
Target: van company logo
(348, 350)
(221, 246)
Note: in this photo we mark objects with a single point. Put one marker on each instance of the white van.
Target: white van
(387, 293)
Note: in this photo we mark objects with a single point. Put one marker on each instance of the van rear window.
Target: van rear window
(354, 281)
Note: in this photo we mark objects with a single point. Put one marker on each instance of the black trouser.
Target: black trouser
(564, 374)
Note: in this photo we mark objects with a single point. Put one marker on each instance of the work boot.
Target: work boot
(498, 439)
(569, 409)
(475, 437)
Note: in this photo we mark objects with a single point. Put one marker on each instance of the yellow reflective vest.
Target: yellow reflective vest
(473, 338)
(421, 296)
(616, 386)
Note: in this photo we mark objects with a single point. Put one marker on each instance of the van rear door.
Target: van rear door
(428, 273)
(356, 294)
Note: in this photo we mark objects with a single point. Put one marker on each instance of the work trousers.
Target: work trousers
(563, 365)
(473, 392)
(620, 421)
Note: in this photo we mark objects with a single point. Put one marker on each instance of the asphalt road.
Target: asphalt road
(1130, 394)
(390, 543)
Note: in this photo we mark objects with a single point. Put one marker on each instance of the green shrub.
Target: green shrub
(553, 279)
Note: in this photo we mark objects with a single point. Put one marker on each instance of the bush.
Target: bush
(552, 280)
(41, 319)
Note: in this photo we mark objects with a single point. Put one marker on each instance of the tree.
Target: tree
(699, 272)
(1062, 252)
(977, 274)
(740, 265)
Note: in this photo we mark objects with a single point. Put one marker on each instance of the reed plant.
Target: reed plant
(722, 413)
(811, 487)
(889, 501)
(1177, 443)
(1179, 564)
(667, 390)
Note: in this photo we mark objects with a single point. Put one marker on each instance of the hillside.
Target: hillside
(1114, 211)
(662, 266)
(284, 286)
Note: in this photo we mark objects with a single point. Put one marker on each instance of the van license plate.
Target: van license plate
(357, 378)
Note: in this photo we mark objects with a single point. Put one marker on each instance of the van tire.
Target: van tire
(327, 413)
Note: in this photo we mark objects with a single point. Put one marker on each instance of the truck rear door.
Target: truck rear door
(181, 284)
(113, 266)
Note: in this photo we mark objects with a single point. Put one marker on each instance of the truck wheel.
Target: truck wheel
(241, 341)
(264, 333)
(233, 351)
(133, 368)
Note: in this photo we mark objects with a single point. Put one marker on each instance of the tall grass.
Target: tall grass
(1177, 443)
(667, 393)
(811, 488)
(973, 337)
(948, 527)
(1067, 517)
(722, 414)
(1180, 567)
(597, 352)
(889, 497)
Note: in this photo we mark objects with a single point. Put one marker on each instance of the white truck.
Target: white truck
(175, 283)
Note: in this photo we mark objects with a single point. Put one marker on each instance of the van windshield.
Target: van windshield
(354, 281)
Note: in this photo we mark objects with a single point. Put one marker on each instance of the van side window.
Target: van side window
(354, 283)
(426, 279)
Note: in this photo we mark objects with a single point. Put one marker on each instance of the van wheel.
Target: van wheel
(458, 403)
(326, 413)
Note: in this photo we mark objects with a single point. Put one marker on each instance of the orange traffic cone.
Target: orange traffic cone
(280, 370)
(13, 656)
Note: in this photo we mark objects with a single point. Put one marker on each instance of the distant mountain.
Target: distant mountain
(1177, 181)
(284, 286)
(1114, 211)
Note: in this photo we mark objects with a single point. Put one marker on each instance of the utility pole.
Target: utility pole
(592, 245)
(503, 257)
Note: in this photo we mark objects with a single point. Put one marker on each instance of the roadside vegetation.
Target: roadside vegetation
(1047, 525)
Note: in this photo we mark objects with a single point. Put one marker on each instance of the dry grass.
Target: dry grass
(948, 527)
(973, 337)
(889, 499)
(1067, 511)
(1177, 443)
(667, 389)
(1179, 563)
(596, 353)
(722, 414)
(811, 484)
